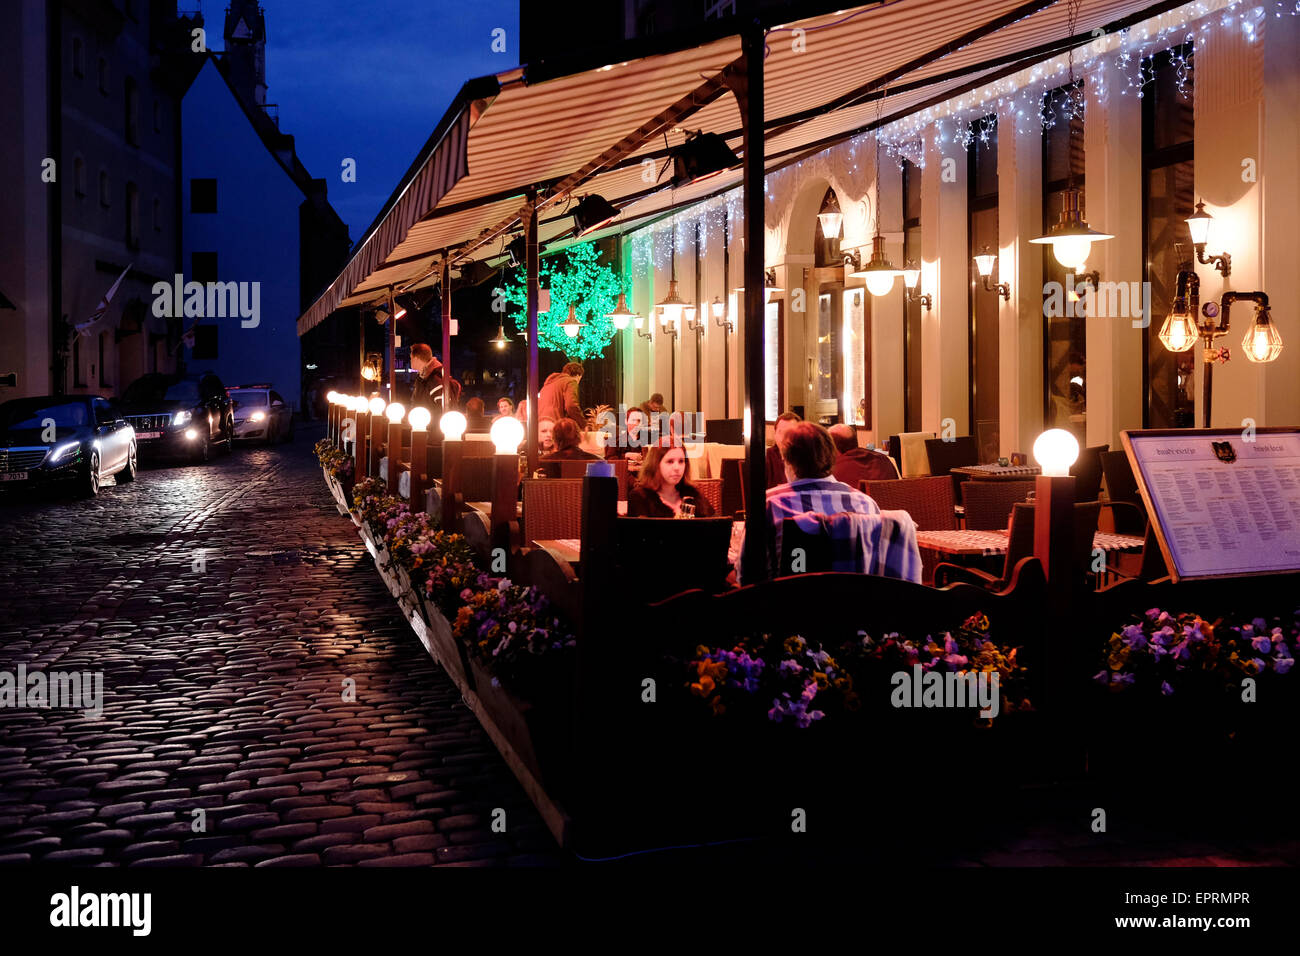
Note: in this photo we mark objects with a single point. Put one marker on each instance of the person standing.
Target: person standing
(428, 386)
(559, 396)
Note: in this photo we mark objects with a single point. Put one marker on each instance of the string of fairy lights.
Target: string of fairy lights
(1034, 97)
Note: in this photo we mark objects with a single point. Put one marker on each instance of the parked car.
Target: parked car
(75, 441)
(260, 412)
(180, 416)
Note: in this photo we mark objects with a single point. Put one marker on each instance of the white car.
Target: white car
(261, 414)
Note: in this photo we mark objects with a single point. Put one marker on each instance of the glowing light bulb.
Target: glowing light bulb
(1056, 450)
(419, 418)
(506, 434)
(880, 283)
(453, 425)
(1072, 251)
(377, 405)
(395, 412)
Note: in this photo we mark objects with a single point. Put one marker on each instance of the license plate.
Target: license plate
(13, 476)
(148, 434)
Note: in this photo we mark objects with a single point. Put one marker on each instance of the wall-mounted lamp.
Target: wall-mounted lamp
(720, 315)
(373, 367)
(694, 324)
(1199, 224)
(984, 263)
(668, 319)
(912, 287)
(830, 217)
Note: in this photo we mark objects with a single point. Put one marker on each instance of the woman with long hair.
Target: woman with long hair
(664, 485)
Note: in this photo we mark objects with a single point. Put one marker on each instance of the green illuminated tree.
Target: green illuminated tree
(575, 277)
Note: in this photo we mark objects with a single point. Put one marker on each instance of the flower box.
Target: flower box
(451, 655)
(540, 733)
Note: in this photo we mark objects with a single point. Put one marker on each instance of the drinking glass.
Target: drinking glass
(688, 509)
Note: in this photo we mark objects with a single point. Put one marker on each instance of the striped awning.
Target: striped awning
(599, 130)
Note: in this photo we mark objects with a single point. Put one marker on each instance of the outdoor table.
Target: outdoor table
(566, 549)
(998, 472)
(707, 457)
(994, 543)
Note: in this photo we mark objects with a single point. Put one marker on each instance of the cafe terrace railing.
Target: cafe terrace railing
(615, 758)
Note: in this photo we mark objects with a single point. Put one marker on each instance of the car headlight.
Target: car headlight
(63, 451)
(181, 418)
(257, 416)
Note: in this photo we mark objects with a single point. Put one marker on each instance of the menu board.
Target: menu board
(1223, 505)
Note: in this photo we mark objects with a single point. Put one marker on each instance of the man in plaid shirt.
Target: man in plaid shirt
(809, 454)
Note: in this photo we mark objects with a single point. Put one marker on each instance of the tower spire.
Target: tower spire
(245, 50)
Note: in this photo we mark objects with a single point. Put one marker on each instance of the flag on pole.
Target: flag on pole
(102, 309)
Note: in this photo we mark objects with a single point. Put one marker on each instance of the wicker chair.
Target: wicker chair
(711, 488)
(928, 500)
(988, 503)
(578, 469)
(552, 508)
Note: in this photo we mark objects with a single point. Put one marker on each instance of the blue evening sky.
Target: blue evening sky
(370, 80)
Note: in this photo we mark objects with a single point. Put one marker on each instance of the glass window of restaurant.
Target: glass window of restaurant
(1168, 197)
(838, 336)
(912, 349)
(982, 156)
(1064, 328)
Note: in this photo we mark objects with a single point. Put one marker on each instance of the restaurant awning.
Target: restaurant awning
(594, 131)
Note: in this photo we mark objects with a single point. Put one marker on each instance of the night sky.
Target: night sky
(370, 80)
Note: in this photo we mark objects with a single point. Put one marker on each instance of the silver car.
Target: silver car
(261, 414)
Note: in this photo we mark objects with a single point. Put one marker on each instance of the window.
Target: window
(78, 57)
(1168, 195)
(912, 348)
(103, 188)
(103, 76)
(205, 342)
(157, 117)
(203, 195)
(133, 215)
(103, 411)
(103, 369)
(79, 176)
(203, 266)
(132, 98)
(157, 215)
(1065, 328)
(982, 157)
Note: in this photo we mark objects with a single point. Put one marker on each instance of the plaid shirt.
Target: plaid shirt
(822, 495)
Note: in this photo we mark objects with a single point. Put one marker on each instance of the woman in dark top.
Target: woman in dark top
(665, 483)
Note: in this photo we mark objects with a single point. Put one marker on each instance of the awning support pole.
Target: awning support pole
(531, 265)
(389, 348)
(446, 334)
(747, 85)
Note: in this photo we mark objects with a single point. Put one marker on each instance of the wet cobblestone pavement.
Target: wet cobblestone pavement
(226, 605)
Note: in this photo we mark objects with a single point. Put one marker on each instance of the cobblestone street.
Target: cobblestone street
(226, 606)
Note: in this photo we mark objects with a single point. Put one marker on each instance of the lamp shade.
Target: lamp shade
(672, 304)
(507, 432)
(1178, 334)
(395, 412)
(1199, 224)
(879, 272)
(453, 425)
(1263, 342)
(621, 314)
(719, 310)
(984, 263)
(911, 277)
(571, 325)
(1071, 238)
(419, 418)
(831, 224)
(1056, 450)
